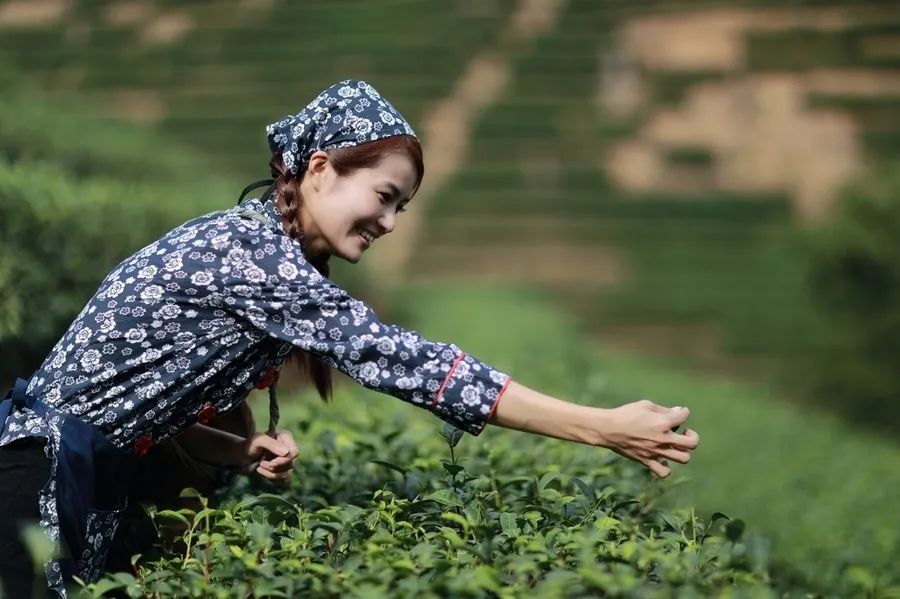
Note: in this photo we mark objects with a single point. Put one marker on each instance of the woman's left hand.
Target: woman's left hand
(278, 468)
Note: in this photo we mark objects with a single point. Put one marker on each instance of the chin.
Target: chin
(353, 256)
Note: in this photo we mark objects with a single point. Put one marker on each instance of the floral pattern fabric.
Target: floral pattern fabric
(188, 325)
(346, 114)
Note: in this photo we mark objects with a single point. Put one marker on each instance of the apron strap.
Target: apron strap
(254, 185)
(250, 213)
(19, 393)
(274, 411)
(16, 397)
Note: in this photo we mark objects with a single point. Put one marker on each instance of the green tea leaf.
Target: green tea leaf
(734, 529)
(445, 497)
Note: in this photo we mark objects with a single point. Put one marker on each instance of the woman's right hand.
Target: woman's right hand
(643, 431)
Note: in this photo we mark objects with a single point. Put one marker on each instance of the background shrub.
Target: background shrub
(856, 279)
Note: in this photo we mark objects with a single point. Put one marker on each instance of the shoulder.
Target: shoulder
(226, 232)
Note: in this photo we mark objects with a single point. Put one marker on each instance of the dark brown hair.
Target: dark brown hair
(344, 161)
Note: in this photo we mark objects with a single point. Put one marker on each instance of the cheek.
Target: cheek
(346, 207)
(362, 209)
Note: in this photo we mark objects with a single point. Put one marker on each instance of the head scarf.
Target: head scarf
(347, 114)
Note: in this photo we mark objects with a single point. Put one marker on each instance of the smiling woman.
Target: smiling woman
(181, 331)
(345, 200)
(348, 197)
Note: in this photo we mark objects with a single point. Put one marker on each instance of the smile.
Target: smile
(367, 237)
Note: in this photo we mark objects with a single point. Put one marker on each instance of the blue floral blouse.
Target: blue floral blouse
(193, 321)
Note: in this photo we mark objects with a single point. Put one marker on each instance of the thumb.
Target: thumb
(653, 407)
(262, 442)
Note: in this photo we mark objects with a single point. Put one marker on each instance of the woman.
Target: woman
(182, 330)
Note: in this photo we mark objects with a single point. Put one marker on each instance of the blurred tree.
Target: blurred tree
(855, 276)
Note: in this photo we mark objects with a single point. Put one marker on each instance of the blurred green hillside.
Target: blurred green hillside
(714, 275)
(213, 74)
(745, 118)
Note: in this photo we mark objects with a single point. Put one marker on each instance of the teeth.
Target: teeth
(367, 236)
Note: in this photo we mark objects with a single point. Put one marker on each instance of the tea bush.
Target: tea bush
(383, 508)
(855, 273)
(387, 502)
(824, 493)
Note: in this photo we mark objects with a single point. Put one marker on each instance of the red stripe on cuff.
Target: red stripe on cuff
(440, 392)
(497, 401)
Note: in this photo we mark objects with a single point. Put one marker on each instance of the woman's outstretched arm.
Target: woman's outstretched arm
(640, 431)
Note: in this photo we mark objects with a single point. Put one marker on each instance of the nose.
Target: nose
(386, 221)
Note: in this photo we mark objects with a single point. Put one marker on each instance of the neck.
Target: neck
(314, 245)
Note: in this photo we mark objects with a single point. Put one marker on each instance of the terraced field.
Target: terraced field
(214, 73)
(698, 263)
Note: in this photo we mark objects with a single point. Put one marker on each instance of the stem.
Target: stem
(206, 551)
(187, 541)
(453, 477)
(498, 500)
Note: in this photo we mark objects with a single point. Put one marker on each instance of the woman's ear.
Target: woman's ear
(317, 167)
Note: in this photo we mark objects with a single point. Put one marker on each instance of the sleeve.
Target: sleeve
(271, 285)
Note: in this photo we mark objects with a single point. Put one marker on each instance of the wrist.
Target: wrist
(232, 449)
(241, 452)
(591, 426)
(607, 428)
(214, 446)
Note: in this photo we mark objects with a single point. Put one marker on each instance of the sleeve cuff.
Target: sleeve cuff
(470, 393)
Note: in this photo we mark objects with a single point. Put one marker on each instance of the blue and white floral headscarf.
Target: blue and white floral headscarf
(347, 114)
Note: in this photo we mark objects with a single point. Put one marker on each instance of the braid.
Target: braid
(288, 188)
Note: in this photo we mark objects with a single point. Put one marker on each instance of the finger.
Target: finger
(278, 464)
(281, 474)
(277, 461)
(263, 442)
(273, 476)
(287, 439)
(693, 436)
(688, 440)
(653, 407)
(676, 455)
(677, 416)
(658, 469)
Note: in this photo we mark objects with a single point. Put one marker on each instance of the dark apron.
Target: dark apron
(91, 485)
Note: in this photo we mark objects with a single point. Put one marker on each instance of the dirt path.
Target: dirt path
(447, 127)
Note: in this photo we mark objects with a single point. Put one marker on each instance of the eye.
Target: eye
(384, 198)
(401, 208)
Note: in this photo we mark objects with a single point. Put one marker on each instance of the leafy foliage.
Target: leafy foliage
(386, 502)
(820, 490)
(477, 524)
(59, 236)
(77, 195)
(856, 277)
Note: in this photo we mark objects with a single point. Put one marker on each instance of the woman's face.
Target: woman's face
(344, 215)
